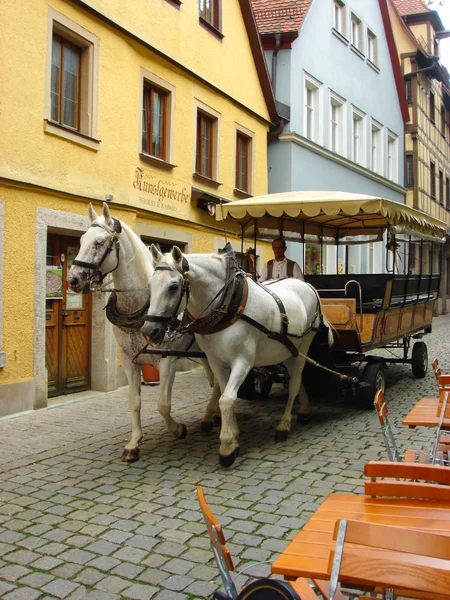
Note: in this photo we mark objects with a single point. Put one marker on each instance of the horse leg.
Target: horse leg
(303, 410)
(229, 432)
(212, 413)
(133, 373)
(167, 369)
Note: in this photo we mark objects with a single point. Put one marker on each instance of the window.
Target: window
(206, 142)
(339, 16)
(432, 180)
(392, 152)
(376, 148)
(71, 81)
(409, 171)
(357, 137)
(443, 128)
(441, 187)
(432, 106)
(65, 83)
(447, 193)
(408, 90)
(209, 11)
(311, 115)
(356, 32)
(244, 161)
(336, 123)
(372, 47)
(154, 120)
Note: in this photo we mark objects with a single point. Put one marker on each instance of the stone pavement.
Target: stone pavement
(75, 522)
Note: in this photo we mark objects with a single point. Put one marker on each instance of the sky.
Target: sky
(444, 13)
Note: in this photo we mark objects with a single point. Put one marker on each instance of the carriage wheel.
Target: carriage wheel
(375, 375)
(268, 589)
(262, 385)
(419, 360)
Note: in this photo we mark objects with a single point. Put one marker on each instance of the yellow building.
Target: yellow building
(417, 31)
(160, 108)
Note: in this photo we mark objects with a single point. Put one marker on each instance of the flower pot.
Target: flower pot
(150, 374)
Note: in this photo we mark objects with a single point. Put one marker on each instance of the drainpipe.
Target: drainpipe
(274, 61)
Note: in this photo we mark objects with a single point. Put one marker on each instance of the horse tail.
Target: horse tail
(327, 323)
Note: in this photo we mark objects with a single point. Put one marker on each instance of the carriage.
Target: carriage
(389, 311)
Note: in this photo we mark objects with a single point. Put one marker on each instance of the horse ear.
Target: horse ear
(177, 255)
(107, 215)
(156, 254)
(93, 216)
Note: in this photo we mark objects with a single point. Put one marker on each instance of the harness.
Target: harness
(125, 321)
(233, 299)
(113, 242)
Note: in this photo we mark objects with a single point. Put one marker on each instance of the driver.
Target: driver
(280, 266)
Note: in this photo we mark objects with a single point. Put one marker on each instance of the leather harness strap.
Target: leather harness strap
(125, 321)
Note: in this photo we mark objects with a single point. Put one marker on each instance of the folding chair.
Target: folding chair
(441, 446)
(400, 560)
(443, 380)
(392, 450)
(260, 589)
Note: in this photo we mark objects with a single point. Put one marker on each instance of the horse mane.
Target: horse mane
(141, 252)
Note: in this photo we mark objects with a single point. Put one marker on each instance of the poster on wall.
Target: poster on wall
(53, 281)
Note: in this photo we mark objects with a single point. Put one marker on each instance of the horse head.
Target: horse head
(168, 285)
(99, 251)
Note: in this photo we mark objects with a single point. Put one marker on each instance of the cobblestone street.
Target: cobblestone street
(76, 522)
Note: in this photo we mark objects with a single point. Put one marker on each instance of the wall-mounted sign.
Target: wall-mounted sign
(53, 282)
(161, 194)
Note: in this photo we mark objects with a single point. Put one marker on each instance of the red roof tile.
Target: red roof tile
(279, 16)
(410, 7)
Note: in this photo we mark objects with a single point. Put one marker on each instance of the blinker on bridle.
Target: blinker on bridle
(114, 241)
(185, 290)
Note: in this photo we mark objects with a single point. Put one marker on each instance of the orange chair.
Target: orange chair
(397, 559)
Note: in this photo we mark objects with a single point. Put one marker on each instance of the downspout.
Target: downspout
(274, 62)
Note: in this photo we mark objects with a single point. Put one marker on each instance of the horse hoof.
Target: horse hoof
(217, 420)
(206, 426)
(183, 433)
(227, 461)
(303, 418)
(281, 436)
(130, 455)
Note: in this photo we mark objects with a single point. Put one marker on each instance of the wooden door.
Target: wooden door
(68, 323)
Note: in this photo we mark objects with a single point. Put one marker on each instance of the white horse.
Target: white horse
(234, 350)
(110, 246)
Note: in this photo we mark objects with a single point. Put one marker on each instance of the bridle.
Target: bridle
(170, 321)
(113, 243)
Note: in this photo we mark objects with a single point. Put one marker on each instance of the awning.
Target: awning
(334, 215)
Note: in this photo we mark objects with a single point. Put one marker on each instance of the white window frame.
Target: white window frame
(372, 47)
(312, 129)
(250, 135)
(358, 137)
(337, 141)
(356, 26)
(89, 45)
(149, 77)
(376, 147)
(392, 161)
(339, 17)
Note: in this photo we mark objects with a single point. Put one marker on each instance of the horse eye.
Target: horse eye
(173, 287)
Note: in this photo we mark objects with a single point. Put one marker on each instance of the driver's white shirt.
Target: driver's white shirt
(280, 270)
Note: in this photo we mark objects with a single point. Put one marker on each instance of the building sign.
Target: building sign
(53, 282)
(160, 194)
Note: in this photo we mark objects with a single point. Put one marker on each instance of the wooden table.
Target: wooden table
(424, 414)
(308, 553)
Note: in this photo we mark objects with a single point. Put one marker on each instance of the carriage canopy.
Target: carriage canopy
(335, 217)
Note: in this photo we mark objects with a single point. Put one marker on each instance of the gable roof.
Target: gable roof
(280, 16)
(409, 7)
